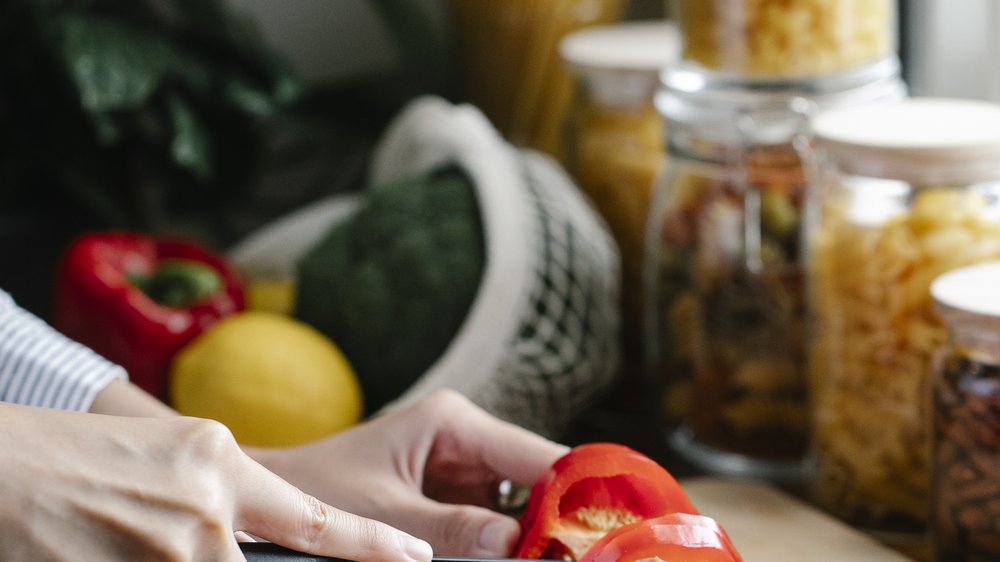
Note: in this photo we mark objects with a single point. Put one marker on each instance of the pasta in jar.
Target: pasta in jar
(876, 337)
(725, 265)
(614, 146)
(792, 37)
(732, 306)
(910, 191)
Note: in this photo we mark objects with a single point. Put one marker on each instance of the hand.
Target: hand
(94, 487)
(431, 469)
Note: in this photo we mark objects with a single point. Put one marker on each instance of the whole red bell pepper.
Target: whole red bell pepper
(137, 299)
(674, 537)
(592, 490)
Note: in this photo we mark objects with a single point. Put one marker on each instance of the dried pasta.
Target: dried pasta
(791, 37)
(730, 340)
(872, 355)
(509, 57)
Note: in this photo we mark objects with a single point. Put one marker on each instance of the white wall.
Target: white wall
(955, 46)
(325, 38)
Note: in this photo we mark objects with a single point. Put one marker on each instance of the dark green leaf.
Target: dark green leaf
(249, 98)
(113, 65)
(106, 129)
(190, 147)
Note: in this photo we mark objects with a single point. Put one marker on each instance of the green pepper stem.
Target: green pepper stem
(178, 283)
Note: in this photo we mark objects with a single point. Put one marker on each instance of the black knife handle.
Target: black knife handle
(269, 552)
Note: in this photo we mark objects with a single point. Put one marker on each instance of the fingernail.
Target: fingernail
(416, 549)
(498, 536)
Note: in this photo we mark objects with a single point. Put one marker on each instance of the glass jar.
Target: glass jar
(725, 279)
(789, 38)
(905, 192)
(966, 446)
(614, 144)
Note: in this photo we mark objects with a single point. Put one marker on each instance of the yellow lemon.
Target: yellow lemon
(273, 380)
(271, 295)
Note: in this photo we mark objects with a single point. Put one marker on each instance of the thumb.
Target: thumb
(462, 530)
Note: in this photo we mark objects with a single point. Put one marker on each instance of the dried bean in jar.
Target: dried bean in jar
(967, 462)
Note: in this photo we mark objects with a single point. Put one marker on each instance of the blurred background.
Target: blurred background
(216, 119)
(354, 63)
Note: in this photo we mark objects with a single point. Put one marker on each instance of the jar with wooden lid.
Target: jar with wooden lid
(786, 38)
(614, 144)
(724, 276)
(966, 446)
(905, 192)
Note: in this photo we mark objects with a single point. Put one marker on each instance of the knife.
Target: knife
(269, 552)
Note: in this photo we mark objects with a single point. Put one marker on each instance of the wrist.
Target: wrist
(121, 398)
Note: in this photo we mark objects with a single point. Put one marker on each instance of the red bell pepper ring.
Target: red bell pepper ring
(137, 300)
(670, 538)
(592, 490)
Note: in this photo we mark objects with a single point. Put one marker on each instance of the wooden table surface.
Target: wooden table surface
(767, 525)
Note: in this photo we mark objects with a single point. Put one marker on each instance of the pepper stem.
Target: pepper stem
(178, 283)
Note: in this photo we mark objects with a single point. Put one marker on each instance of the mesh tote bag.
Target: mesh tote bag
(540, 342)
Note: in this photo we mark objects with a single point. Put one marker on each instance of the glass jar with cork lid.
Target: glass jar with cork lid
(905, 192)
(966, 446)
(724, 271)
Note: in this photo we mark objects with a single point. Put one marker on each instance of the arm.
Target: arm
(158, 485)
(41, 367)
(81, 486)
(122, 398)
(431, 468)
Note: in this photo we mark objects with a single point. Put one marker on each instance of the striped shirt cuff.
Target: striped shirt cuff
(41, 367)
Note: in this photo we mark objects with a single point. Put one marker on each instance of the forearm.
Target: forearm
(121, 398)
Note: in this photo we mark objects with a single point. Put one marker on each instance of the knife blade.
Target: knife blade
(269, 552)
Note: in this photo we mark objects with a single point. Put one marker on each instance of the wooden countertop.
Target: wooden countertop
(768, 525)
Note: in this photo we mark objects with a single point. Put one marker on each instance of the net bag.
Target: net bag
(540, 342)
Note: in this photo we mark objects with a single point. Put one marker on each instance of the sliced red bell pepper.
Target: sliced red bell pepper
(592, 490)
(137, 300)
(670, 538)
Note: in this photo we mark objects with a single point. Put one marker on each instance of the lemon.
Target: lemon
(273, 380)
(271, 295)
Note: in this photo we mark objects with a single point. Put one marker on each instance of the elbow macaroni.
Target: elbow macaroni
(874, 346)
(794, 37)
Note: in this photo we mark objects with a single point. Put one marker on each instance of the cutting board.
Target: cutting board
(767, 525)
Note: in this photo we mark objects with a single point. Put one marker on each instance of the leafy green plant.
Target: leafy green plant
(132, 111)
(174, 116)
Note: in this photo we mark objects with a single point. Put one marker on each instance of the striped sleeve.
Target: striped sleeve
(41, 367)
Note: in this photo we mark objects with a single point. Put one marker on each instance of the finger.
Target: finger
(507, 449)
(273, 509)
(221, 547)
(232, 553)
(461, 530)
